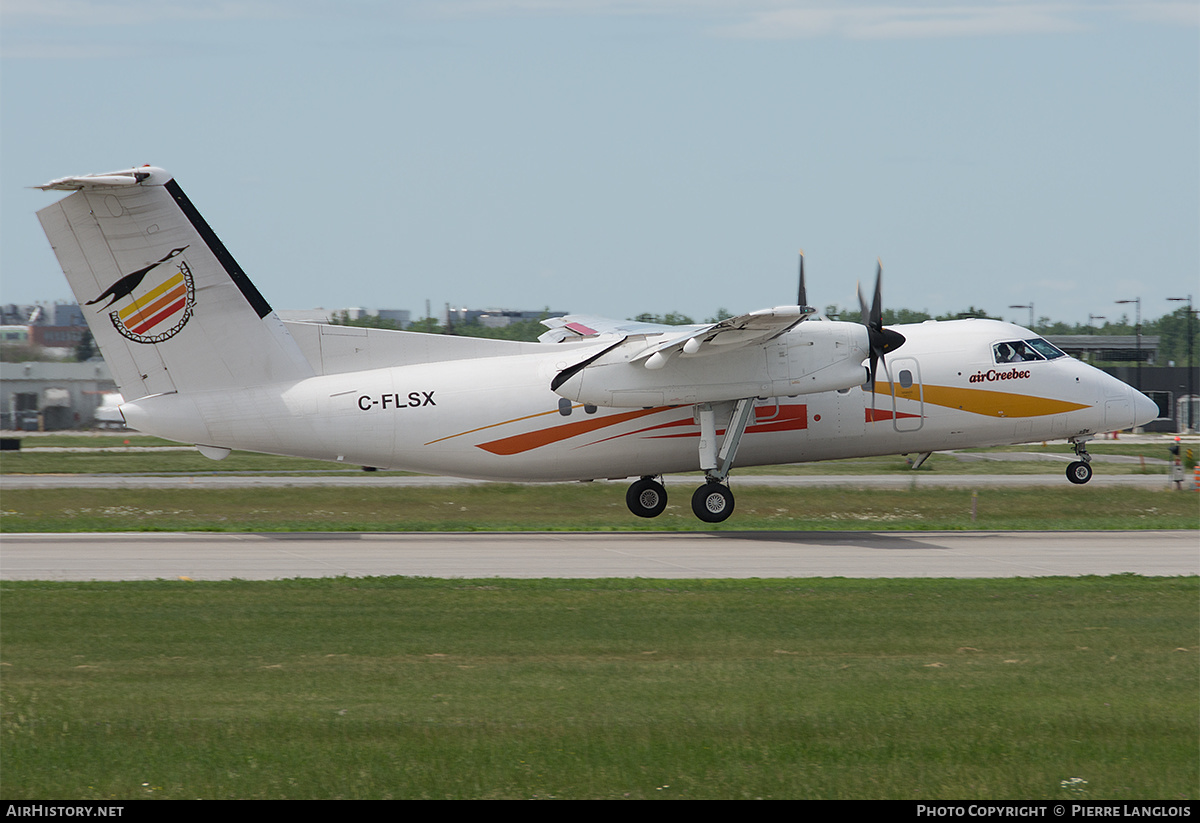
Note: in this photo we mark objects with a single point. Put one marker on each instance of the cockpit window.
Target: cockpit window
(1023, 351)
(1014, 351)
(1045, 348)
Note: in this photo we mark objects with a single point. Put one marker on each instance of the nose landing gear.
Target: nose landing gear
(1080, 471)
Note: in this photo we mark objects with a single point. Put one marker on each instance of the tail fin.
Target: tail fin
(169, 307)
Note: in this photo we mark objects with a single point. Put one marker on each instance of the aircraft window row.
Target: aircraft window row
(1023, 351)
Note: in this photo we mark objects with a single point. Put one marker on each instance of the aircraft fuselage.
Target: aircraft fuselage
(496, 417)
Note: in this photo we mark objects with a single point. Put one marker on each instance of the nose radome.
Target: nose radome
(1145, 410)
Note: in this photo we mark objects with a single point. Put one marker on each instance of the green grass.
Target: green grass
(420, 688)
(166, 461)
(1150, 450)
(587, 507)
(92, 440)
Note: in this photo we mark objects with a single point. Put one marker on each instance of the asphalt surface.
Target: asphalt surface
(230, 481)
(206, 556)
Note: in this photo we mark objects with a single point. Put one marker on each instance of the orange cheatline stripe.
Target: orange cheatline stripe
(161, 316)
(687, 421)
(985, 401)
(145, 299)
(976, 401)
(155, 307)
(543, 437)
(494, 425)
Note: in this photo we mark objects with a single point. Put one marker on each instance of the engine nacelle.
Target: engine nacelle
(813, 357)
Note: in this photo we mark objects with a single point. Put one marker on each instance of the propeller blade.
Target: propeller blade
(881, 340)
(877, 306)
(802, 298)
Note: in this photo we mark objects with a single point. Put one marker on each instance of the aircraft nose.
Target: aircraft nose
(1144, 409)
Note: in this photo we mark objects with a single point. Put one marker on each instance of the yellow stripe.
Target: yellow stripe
(984, 401)
(147, 299)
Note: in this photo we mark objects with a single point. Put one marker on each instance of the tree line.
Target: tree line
(1171, 329)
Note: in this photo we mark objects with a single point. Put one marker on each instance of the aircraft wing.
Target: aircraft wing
(730, 360)
(577, 326)
(745, 329)
(754, 328)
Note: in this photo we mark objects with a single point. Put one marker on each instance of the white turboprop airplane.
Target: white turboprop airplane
(203, 359)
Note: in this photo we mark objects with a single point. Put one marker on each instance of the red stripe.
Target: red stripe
(161, 316)
(875, 415)
(536, 439)
(787, 418)
(149, 311)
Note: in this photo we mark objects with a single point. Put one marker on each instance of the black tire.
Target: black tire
(712, 503)
(1079, 472)
(646, 498)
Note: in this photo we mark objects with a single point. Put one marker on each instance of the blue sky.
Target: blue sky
(615, 157)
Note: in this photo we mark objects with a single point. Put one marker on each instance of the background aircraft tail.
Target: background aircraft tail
(167, 304)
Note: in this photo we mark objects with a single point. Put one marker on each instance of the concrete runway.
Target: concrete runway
(204, 556)
(221, 480)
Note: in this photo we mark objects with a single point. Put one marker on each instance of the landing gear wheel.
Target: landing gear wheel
(646, 498)
(712, 502)
(1079, 472)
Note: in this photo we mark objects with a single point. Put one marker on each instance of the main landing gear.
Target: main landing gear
(1080, 471)
(712, 502)
(646, 497)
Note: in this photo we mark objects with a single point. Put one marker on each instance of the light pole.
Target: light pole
(1029, 306)
(1138, 329)
(1092, 318)
(1191, 423)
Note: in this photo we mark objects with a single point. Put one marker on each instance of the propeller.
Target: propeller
(881, 340)
(802, 299)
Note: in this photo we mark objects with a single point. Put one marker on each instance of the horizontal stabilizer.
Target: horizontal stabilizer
(105, 180)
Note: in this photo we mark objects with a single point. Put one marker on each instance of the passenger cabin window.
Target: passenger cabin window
(1024, 351)
(906, 379)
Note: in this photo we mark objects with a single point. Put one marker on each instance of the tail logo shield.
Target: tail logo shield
(155, 303)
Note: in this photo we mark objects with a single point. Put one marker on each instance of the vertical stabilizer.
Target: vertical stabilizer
(167, 304)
